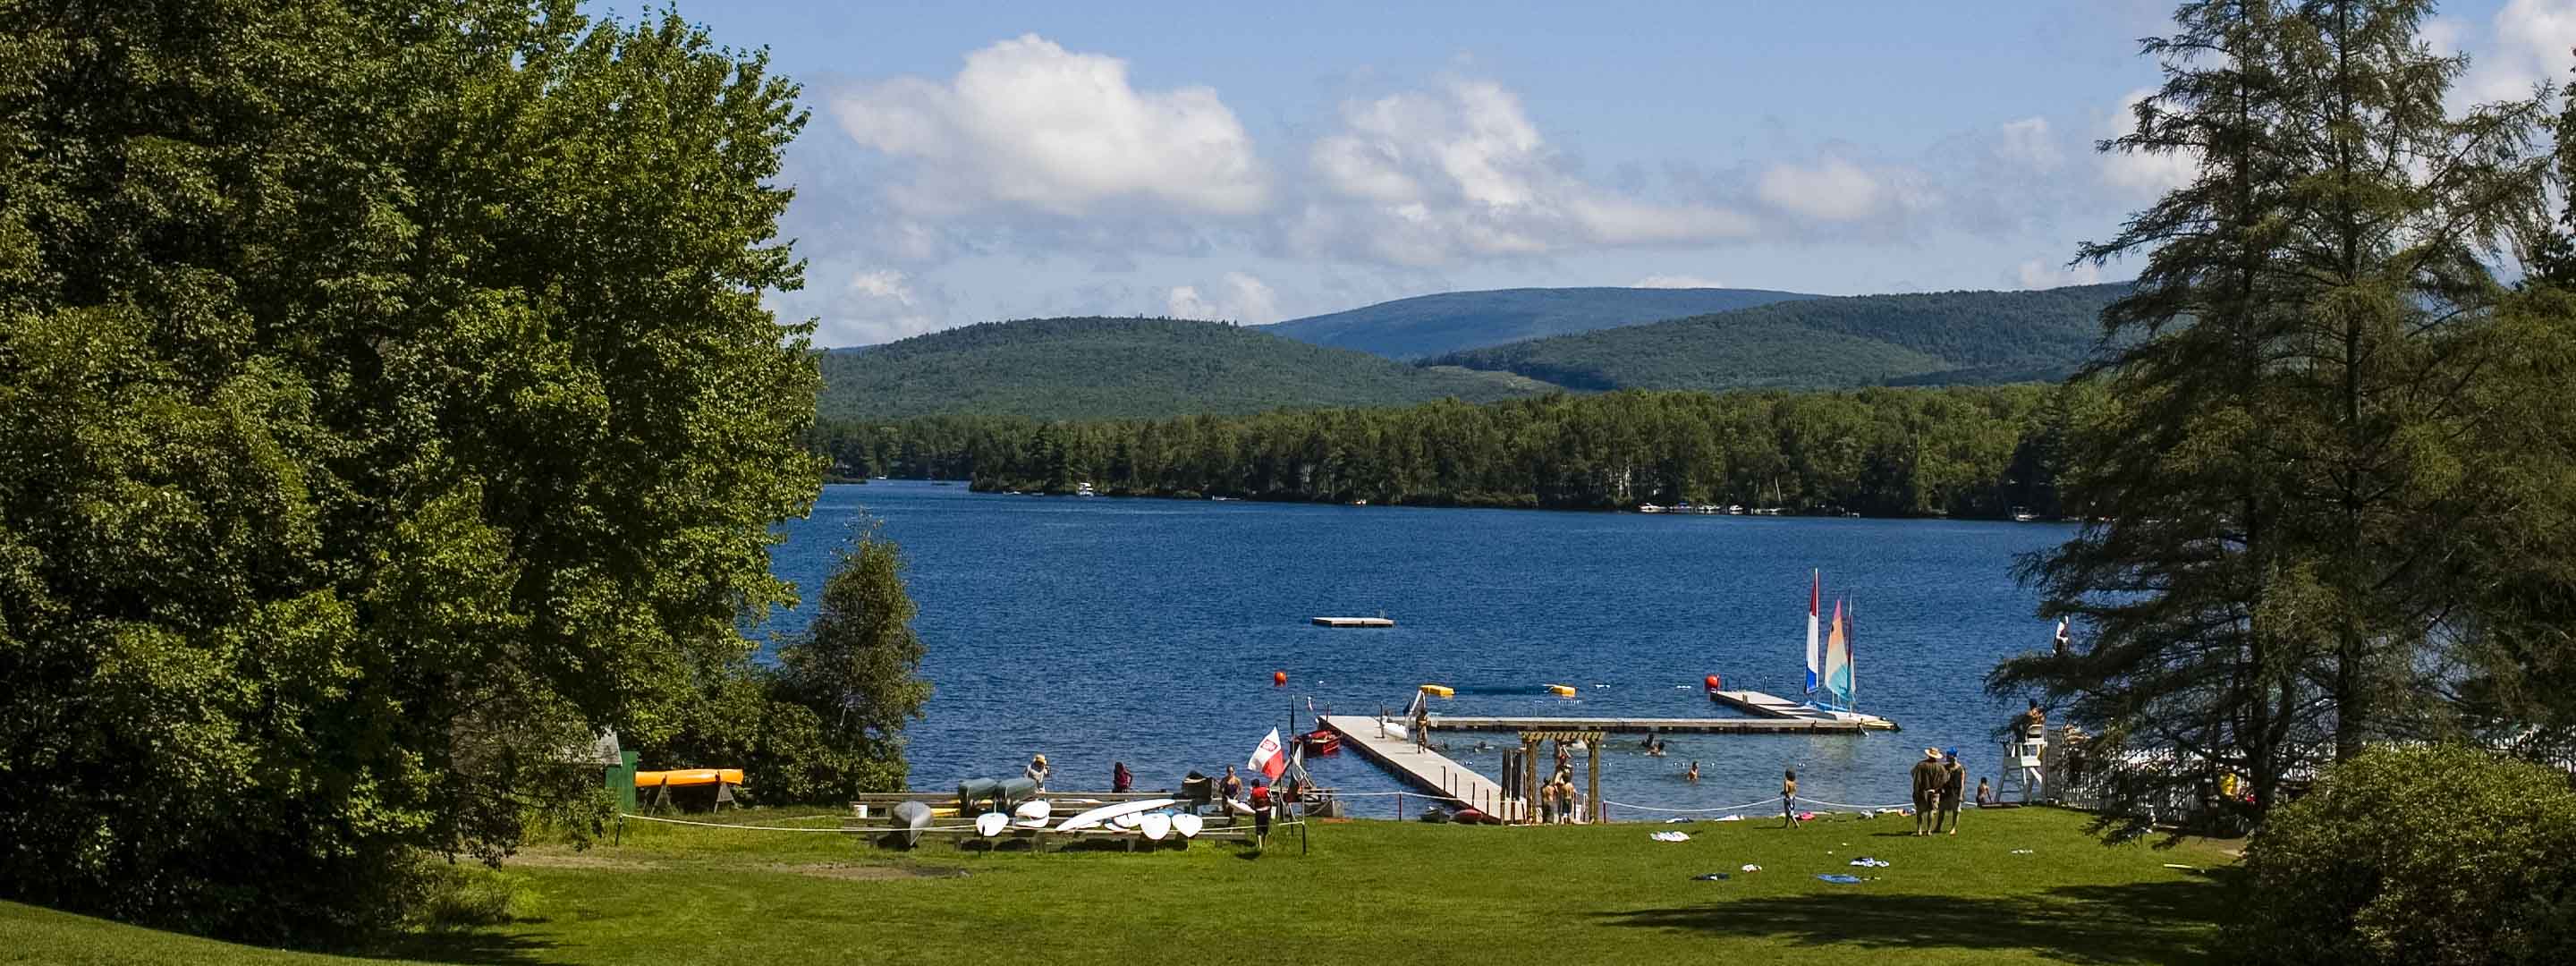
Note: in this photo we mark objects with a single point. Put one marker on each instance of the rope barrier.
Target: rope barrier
(1683, 811)
(755, 828)
(1870, 808)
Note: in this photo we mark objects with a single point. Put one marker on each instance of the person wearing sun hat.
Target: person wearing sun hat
(1038, 771)
(1929, 776)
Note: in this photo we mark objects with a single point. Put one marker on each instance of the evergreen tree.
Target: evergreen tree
(2281, 464)
(858, 668)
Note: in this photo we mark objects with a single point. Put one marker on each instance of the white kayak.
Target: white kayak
(1032, 814)
(1155, 825)
(1187, 824)
(1095, 817)
(1128, 821)
(990, 824)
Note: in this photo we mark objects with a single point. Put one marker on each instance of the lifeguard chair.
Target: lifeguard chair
(2022, 760)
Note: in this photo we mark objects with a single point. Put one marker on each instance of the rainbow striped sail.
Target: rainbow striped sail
(1838, 667)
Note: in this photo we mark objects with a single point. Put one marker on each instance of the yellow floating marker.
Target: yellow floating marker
(1561, 690)
(1440, 690)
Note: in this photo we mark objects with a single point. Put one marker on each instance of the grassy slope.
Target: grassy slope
(1935, 338)
(1370, 892)
(1430, 325)
(1128, 368)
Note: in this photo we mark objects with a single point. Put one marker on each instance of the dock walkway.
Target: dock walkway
(1713, 726)
(1425, 769)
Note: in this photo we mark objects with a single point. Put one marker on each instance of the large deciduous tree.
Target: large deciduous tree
(2288, 476)
(386, 403)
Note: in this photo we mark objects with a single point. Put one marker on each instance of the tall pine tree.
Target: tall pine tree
(2285, 462)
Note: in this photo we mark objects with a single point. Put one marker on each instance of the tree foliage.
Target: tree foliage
(386, 403)
(2434, 855)
(1094, 368)
(1970, 452)
(1932, 338)
(2294, 554)
(1431, 325)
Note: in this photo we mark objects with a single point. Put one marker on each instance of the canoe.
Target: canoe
(974, 790)
(1106, 812)
(910, 819)
(1033, 814)
(688, 776)
(1013, 791)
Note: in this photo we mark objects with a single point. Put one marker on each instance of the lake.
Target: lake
(1146, 631)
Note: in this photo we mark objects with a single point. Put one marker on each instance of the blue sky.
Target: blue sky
(976, 161)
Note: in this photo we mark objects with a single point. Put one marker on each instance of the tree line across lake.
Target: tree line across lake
(1962, 451)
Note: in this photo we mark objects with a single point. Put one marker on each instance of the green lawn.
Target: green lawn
(1370, 892)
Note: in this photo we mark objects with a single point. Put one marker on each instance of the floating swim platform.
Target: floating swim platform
(1561, 690)
(1353, 621)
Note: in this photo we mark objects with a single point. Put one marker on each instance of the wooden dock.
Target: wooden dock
(1425, 769)
(1712, 726)
(1354, 622)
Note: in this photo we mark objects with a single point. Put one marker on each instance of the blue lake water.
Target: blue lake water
(1146, 631)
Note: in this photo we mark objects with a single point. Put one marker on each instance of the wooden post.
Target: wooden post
(1595, 790)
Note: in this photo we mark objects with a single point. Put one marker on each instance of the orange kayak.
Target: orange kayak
(690, 776)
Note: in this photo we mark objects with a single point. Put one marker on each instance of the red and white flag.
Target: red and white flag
(1266, 758)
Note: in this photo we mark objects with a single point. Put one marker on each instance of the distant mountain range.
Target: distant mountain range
(1110, 368)
(1105, 368)
(1431, 325)
(1928, 339)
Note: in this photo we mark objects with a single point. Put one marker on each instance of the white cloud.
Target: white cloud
(1836, 190)
(1028, 123)
(1237, 298)
(1430, 177)
(2027, 142)
(1676, 281)
(876, 305)
(2141, 172)
(2036, 273)
(2530, 42)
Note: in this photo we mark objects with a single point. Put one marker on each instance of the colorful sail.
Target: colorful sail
(1838, 674)
(1815, 595)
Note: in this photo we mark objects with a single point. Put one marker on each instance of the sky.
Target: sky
(971, 162)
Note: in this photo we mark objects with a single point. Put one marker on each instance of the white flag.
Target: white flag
(1266, 758)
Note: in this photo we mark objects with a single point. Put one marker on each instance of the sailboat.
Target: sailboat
(1829, 664)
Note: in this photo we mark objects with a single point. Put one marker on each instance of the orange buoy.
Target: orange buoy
(1278, 679)
(1715, 683)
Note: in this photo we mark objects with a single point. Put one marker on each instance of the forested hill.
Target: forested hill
(1097, 368)
(1430, 325)
(1823, 343)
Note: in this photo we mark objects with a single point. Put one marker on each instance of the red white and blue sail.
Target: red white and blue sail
(1815, 596)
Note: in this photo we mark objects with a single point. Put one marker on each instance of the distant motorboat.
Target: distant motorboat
(1083, 489)
(2020, 515)
(1735, 509)
(1649, 508)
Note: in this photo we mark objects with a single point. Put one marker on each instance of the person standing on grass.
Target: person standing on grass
(1928, 779)
(1954, 785)
(1120, 779)
(1260, 815)
(1038, 771)
(1789, 800)
(1230, 789)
